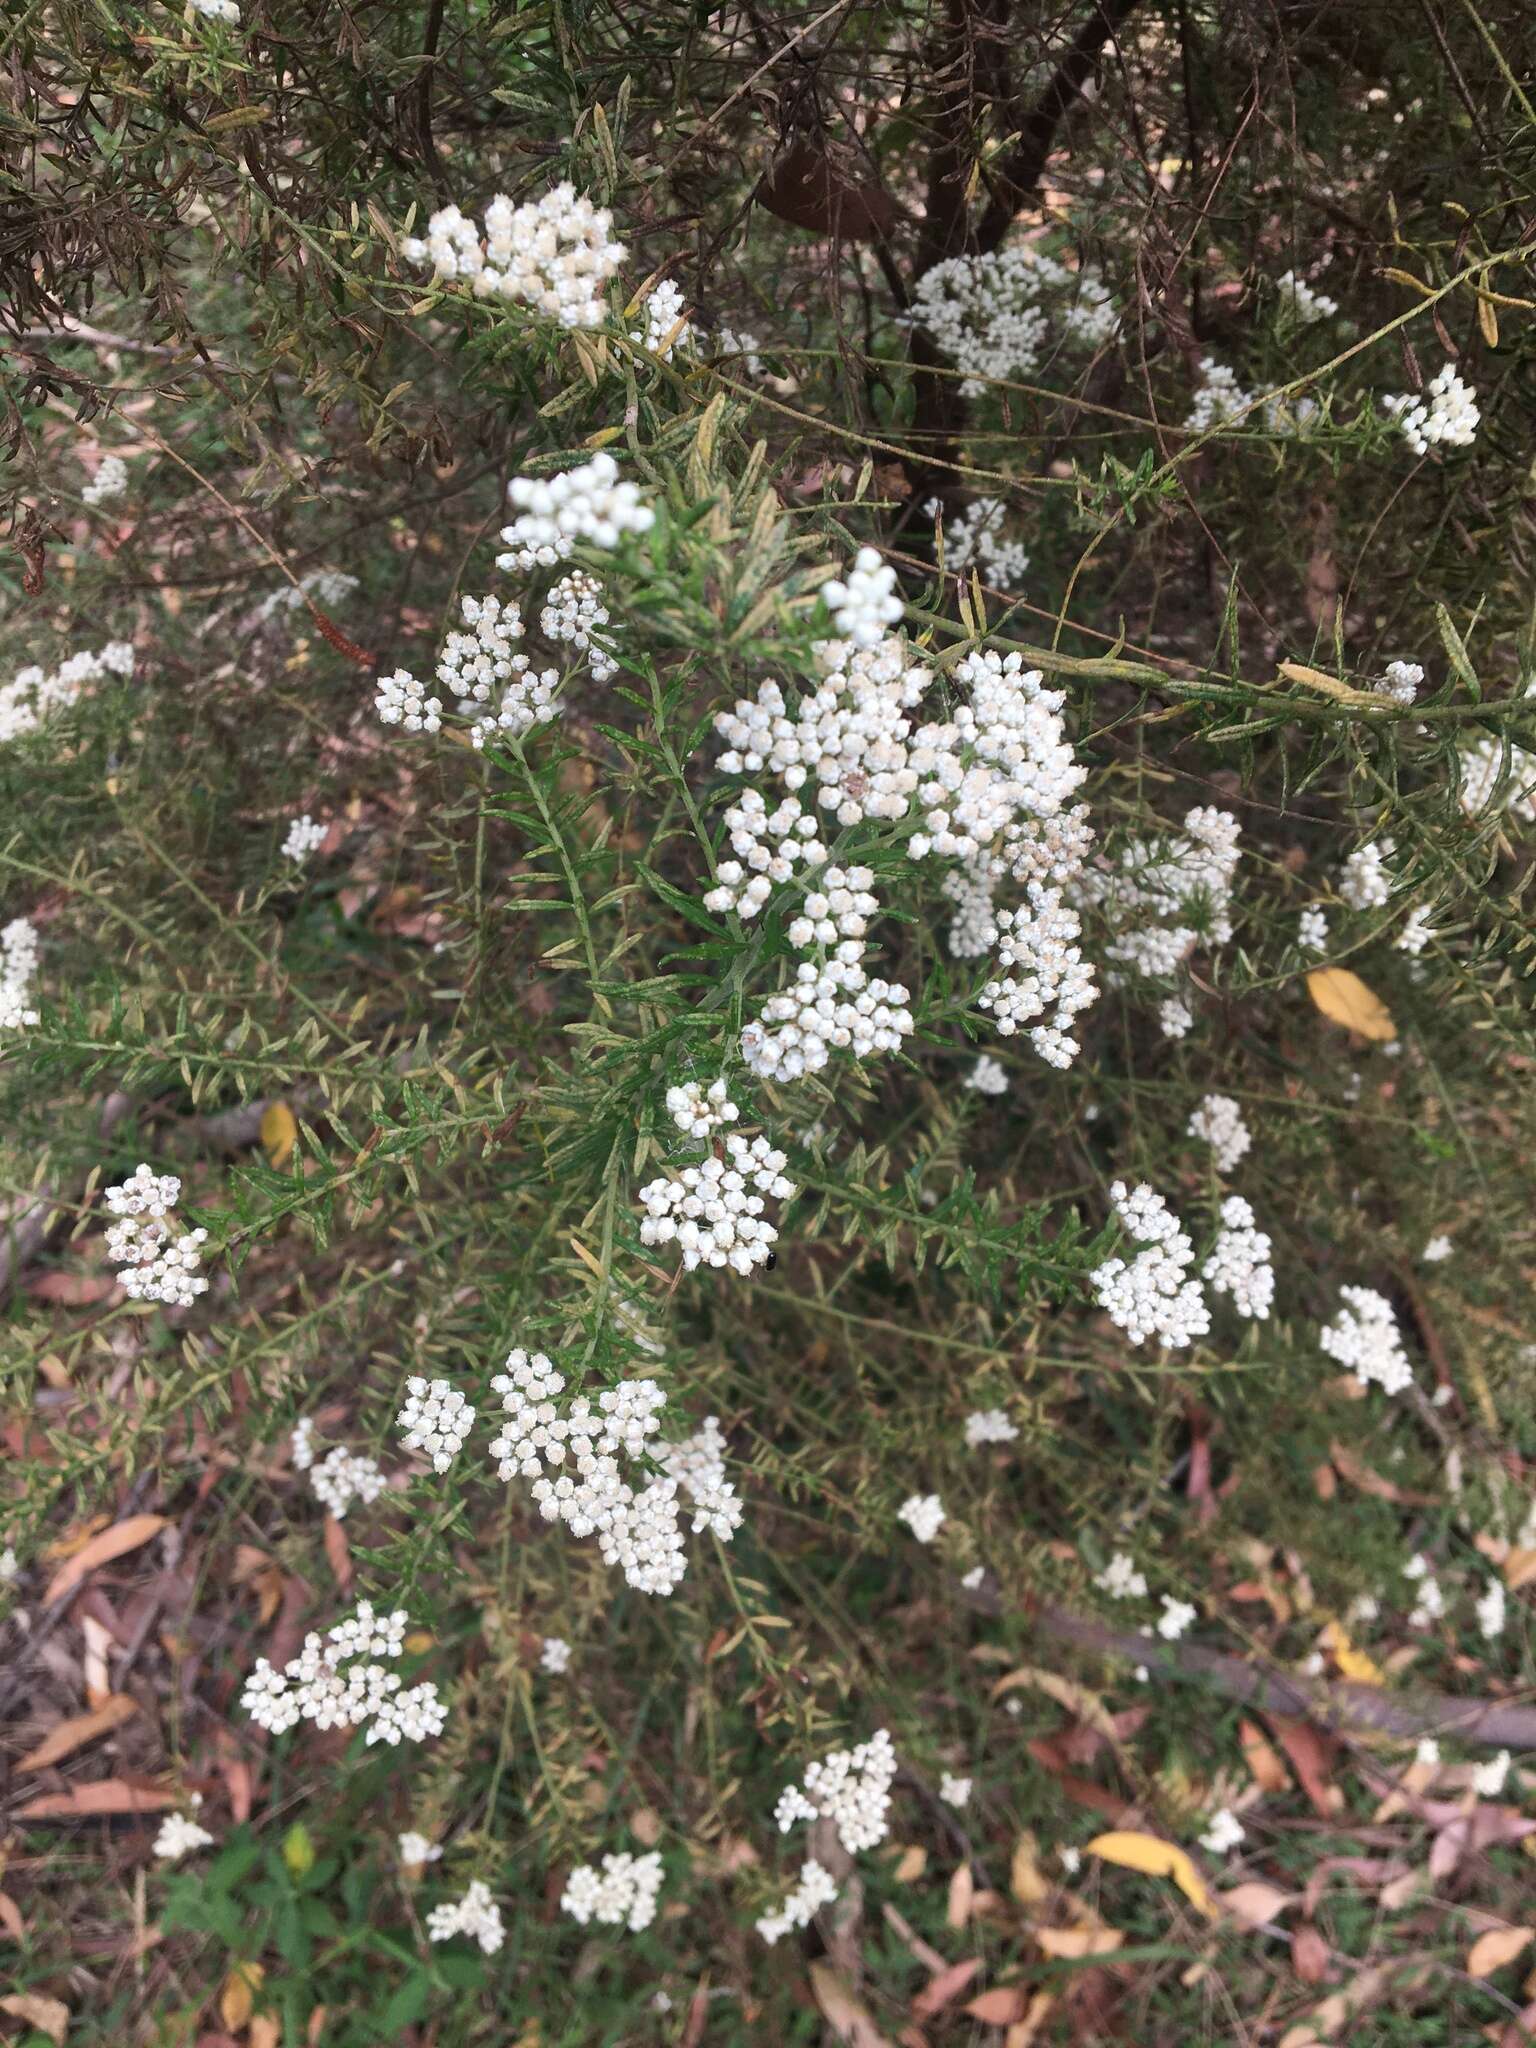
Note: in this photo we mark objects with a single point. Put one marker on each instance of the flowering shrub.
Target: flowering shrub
(753, 978)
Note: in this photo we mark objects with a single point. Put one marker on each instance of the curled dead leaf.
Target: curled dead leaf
(50, 2016)
(78, 1730)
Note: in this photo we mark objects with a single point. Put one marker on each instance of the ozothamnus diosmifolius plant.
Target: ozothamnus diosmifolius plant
(763, 998)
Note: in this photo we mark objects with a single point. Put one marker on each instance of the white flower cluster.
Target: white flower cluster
(180, 1833)
(18, 971)
(1218, 397)
(698, 1111)
(342, 1477)
(989, 1426)
(1365, 1337)
(338, 1681)
(1312, 931)
(154, 1264)
(1430, 1605)
(666, 321)
(1438, 1248)
(697, 1463)
(1121, 1580)
(736, 341)
(1400, 682)
(219, 10)
(990, 787)
(476, 1914)
(1364, 883)
(833, 1006)
(954, 1791)
(1151, 1297)
(1482, 779)
(495, 686)
(924, 1515)
(1219, 1121)
(864, 602)
(401, 700)
(623, 1894)
(986, 312)
(1304, 300)
(304, 835)
(572, 1458)
(1224, 1830)
(1239, 1263)
(714, 1211)
(414, 1848)
(1038, 942)
(34, 694)
(1175, 1016)
(573, 613)
(976, 536)
(590, 503)
(436, 1419)
(1176, 1618)
(555, 254)
(851, 1788)
(817, 1887)
(988, 1076)
(1444, 413)
(1417, 930)
(326, 587)
(110, 481)
(1168, 892)
(555, 1655)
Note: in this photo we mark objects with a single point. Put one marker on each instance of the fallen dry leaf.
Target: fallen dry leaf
(337, 1555)
(1309, 1955)
(279, 1133)
(80, 1729)
(10, 1917)
(999, 2008)
(1311, 1759)
(1025, 1881)
(238, 1998)
(49, 2015)
(1344, 999)
(1263, 1759)
(1352, 1663)
(945, 1988)
(1079, 1941)
(114, 1542)
(911, 1864)
(107, 1795)
(962, 1890)
(842, 2009)
(1154, 1858)
(1255, 1904)
(1500, 1945)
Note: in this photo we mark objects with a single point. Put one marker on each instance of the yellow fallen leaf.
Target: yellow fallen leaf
(279, 1133)
(1352, 1663)
(1519, 1569)
(1079, 1941)
(1154, 1858)
(1500, 1945)
(1025, 1881)
(1344, 999)
(238, 1998)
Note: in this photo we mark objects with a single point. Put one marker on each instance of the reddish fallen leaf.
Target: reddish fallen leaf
(1082, 1791)
(114, 1542)
(945, 1988)
(72, 1290)
(1000, 2008)
(78, 1730)
(1370, 1870)
(1198, 1488)
(1349, 1467)
(1481, 1829)
(1262, 1758)
(1311, 1756)
(1309, 1955)
(337, 1555)
(107, 1795)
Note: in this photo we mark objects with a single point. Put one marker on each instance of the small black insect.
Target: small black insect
(771, 1261)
